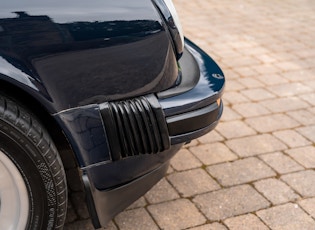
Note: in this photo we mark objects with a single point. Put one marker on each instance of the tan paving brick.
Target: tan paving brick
(213, 226)
(250, 82)
(309, 206)
(276, 191)
(245, 222)
(234, 85)
(240, 171)
(184, 160)
(229, 114)
(286, 217)
(234, 97)
(302, 182)
(178, 214)
(303, 116)
(310, 98)
(273, 79)
(138, 203)
(292, 138)
(271, 123)
(137, 219)
(192, 182)
(252, 109)
(222, 204)
(258, 94)
(211, 137)
(281, 163)
(213, 153)
(161, 192)
(289, 89)
(255, 145)
(284, 104)
(308, 132)
(234, 129)
(305, 156)
(299, 75)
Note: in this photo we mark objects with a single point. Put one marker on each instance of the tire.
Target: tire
(33, 189)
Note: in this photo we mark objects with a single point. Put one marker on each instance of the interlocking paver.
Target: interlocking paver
(257, 94)
(240, 171)
(178, 214)
(192, 182)
(309, 206)
(284, 104)
(303, 116)
(292, 138)
(276, 191)
(184, 160)
(161, 192)
(225, 203)
(289, 89)
(271, 123)
(302, 182)
(286, 217)
(245, 222)
(255, 145)
(305, 156)
(211, 137)
(234, 129)
(213, 226)
(252, 109)
(281, 163)
(308, 132)
(213, 153)
(310, 98)
(135, 219)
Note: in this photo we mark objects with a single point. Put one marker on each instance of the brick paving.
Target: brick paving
(257, 169)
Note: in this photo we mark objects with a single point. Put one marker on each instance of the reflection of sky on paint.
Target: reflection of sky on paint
(7, 69)
(80, 10)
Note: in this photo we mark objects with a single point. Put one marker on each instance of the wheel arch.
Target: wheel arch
(51, 125)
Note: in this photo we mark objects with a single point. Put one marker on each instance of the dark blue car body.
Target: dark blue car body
(113, 84)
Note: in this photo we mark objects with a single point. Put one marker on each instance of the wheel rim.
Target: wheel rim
(14, 201)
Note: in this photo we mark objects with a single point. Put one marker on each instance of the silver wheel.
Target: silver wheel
(14, 201)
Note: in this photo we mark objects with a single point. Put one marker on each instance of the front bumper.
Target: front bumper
(145, 132)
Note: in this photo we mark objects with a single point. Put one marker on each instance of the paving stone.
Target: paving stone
(276, 191)
(309, 206)
(240, 171)
(257, 94)
(308, 132)
(213, 153)
(310, 98)
(291, 138)
(161, 192)
(233, 85)
(250, 82)
(274, 79)
(245, 222)
(250, 109)
(271, 123)
(225, 203)
(213, 226)
(305, 156)
(184, 160)
(281, 163)
(254, 145)
(303, 116)
(289, 89)
(141, 202)
(191, 144)
(192, 182)
(178, 214)
(302, 182)
(229, 114)
(234, 97)
(286, 217)
(234, 129)
(137, 219)
(279, 105)
(299, 75)
(211, 137)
